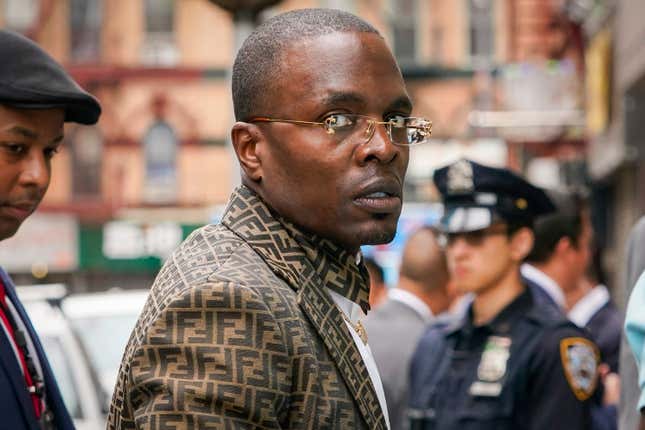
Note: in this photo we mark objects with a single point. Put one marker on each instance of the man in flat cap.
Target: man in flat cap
(36, 97)
(511, 363)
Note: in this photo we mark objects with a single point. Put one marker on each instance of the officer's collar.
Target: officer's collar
(503, 322)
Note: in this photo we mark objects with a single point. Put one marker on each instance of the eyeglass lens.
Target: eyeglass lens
(407, 132)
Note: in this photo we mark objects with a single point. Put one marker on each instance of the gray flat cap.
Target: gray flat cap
(31, 79)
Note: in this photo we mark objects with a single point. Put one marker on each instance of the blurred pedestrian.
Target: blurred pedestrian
(36, 97)
(630, 392)
(591, 307)
(378, 289)
(511, 362)
(255, 322)
(422, 293)
(561, 250)
(635, 333)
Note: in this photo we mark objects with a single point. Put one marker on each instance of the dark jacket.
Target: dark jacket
(16, 409)
(529, 368)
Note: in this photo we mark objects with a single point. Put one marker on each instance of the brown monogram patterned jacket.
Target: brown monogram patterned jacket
(239, 332)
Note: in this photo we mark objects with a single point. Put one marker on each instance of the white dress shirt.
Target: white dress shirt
(587, 306)
(355, 314)
(547, 283)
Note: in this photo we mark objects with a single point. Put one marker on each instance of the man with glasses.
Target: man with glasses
(256, 322)
(511, 363)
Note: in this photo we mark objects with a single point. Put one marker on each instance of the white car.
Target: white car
(78, 384)
(104, 322)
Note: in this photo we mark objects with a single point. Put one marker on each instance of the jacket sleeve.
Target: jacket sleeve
(214, 357)
(563, 380)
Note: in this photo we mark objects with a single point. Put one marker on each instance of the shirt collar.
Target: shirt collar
(588, 305)
(545, 282)
(502, 323)
(413, 301)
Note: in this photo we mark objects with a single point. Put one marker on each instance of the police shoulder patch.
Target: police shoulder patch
(580, 362)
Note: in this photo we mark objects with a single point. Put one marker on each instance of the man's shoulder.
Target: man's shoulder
(606, 320)
(438, 332)
(210, 251)
(393, 326)
(389, 310)
(213, 260)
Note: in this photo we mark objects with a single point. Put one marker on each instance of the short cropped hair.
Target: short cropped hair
(258, 62)
(567, 222)
(423, 260)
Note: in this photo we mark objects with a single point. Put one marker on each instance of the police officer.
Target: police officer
(511, 363)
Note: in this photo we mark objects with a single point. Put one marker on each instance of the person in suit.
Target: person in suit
(36, 97)
(635, 334)
(629, 389)
(422, 294)
(591, 307)
(561, 252)
(556, 270)
(256, 322)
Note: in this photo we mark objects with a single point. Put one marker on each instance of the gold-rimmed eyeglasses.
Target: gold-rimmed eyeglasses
(402, 130)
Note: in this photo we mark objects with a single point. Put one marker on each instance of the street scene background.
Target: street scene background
(553, 89)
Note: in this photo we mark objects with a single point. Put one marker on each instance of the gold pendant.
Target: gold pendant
(362, 333)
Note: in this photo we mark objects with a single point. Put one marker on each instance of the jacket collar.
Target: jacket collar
(278, 241)
(526, 305)
(308, 264)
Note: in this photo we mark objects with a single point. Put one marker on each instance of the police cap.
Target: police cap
(475, 196)
(31, 79)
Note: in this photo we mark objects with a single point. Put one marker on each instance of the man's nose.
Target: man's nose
(35, 170)
(378, 145)
(457, 245)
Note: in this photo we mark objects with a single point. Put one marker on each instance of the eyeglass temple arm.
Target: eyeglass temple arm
(292, 121)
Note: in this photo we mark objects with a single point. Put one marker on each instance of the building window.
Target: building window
(20, 15)
(85, 17)
(160, 149)
(159, 46)
(87, 153)
(482, 34)
(403, 26)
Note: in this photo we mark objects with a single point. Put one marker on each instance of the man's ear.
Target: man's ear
(246, 138)
(562, 246)
(521, 243)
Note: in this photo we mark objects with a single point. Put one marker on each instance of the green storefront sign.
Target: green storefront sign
(122, 246)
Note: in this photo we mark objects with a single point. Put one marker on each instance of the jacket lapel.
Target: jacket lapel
(53, 397)
(11, 368)
(326, 317)
(309, 265)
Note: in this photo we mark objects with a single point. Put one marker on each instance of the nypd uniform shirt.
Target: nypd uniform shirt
(529, 368)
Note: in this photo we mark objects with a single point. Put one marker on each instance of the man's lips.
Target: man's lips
(382, 197)
(20, 210)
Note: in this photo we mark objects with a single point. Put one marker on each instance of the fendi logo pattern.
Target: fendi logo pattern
(239, 332)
